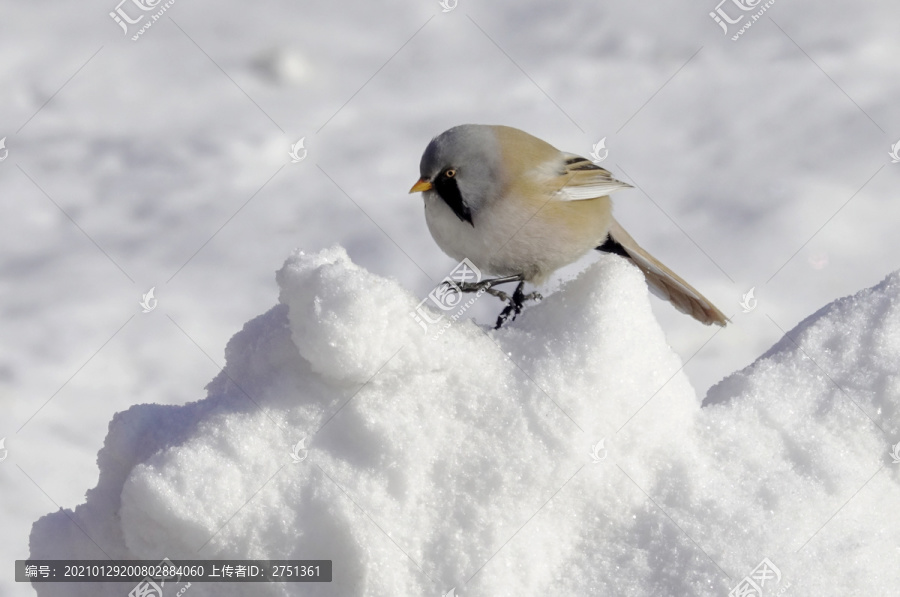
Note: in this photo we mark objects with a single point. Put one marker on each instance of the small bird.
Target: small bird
(518, 208)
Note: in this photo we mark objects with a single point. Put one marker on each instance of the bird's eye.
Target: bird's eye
(450, 173)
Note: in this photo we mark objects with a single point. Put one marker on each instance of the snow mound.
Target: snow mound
(564, 455)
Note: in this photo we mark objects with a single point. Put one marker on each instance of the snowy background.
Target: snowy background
(761, 163)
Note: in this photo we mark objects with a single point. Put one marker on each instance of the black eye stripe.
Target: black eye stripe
(449, 192)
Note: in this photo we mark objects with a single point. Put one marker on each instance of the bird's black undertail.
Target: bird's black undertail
(611, 246)
(662, 281)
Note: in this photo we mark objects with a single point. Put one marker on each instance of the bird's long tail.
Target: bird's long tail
(663, 281)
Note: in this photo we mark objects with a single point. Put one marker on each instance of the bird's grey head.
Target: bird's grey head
(463, 166)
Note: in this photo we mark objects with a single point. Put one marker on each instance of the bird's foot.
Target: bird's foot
(483, 286)
(515, 302)
(515, 305)
(488, 286)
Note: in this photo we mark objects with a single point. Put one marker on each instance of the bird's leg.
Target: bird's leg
(487, 285)
(516, 301)
(498, 293)
(483, 286)
(515, 305)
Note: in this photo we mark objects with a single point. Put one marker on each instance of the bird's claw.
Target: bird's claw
(515, 305)
(515, 302)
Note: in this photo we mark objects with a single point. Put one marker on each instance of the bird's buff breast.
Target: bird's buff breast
(456, 238)
(516, 237)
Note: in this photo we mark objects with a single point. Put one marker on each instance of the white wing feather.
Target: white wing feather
(580, 178)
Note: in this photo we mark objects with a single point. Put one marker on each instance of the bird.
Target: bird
(519, 209)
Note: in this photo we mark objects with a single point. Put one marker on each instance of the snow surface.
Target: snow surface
(470, 460)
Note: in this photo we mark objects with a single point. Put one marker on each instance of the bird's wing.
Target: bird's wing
(577, 178)
(663, 282)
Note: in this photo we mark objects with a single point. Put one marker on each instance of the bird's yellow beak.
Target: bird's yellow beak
(421, 185)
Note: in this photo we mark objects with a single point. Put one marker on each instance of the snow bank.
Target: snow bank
(565, 455)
